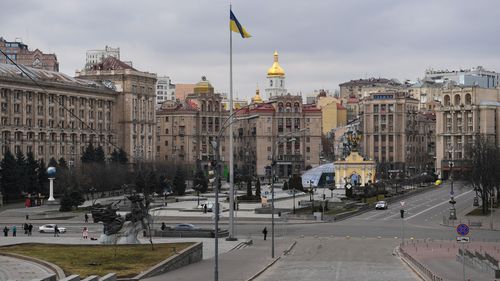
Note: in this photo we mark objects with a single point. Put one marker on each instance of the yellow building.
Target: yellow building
(354, 168)
(334, 114)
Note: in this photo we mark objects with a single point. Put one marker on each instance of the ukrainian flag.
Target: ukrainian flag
(235, 26)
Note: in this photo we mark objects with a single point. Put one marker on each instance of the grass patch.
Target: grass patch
(86, 260)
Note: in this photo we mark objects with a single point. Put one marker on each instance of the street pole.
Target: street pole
(293, 198)
(272, 209)
(463, 260)
(231, 152)
(217, 187)
(491, 209)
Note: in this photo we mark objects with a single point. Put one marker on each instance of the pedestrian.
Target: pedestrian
(56, 231)
(86, 218)
(163, 226)
(14, 231)
(85, 233)
(25, 227)
(30, 229)
(264, 231)
(205, 208)
(6, 231)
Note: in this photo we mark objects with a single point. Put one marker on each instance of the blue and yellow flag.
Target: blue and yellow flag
(235, 26)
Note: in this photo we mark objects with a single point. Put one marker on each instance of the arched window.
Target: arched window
(447, 100)
(209, 106)
(296, 107)
(468, 99)
(270, 83)
(280, 107)
(457, 100)
(216, 106)
(203, 105)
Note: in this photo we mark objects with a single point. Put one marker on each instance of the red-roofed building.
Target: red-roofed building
(277, 132)
(186, 127)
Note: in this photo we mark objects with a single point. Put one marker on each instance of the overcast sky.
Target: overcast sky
(321, 43)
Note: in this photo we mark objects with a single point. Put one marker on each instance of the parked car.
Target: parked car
(186, 226)
(49, 228)
(381, 205)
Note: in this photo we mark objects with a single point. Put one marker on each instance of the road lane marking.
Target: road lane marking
(447, 201)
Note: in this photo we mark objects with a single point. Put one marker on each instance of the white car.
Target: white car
(49, 228)
(381, 205)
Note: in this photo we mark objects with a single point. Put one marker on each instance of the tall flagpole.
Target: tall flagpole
(231, 152)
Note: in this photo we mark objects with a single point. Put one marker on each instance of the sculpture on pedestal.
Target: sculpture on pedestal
(122, 229)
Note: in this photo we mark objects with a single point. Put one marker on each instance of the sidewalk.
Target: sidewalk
(440, 257)
(233, 266)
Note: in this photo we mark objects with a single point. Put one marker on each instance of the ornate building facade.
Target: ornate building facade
(135, 105)
(185, 129)
(466, 113)
(47, 123)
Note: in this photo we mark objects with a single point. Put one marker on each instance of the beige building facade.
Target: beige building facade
(185, 129)
(48, 123)
(391, 133)
(466, 113)
(286, 130)
(135, 106)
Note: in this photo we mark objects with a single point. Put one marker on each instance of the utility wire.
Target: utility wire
(57, 100)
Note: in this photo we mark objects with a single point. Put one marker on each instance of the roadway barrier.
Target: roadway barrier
(429, 275)
(203, 233)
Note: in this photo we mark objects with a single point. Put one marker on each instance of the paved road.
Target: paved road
(326, 258)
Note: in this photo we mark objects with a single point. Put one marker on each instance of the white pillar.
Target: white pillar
(51, 190)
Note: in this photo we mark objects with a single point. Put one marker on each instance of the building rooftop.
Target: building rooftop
(46, 76)
(371, 81)
(111, 63)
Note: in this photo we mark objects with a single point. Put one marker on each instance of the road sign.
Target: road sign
(463, 239)
(402, 203)
(452, 193)
(463, 229)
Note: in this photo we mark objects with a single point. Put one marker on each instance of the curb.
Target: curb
(56, 269)
(285, 252)
(410, 265)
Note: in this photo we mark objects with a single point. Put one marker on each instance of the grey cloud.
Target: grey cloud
(322, 43)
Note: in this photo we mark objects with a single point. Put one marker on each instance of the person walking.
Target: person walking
(30, 229)
(163, 226)
(86, 218)
(85, 233)
(25, 227)
(14, 231)
(56, 231)
(6, 231)
(264, 231)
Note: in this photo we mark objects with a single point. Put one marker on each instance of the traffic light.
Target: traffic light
(402, 213)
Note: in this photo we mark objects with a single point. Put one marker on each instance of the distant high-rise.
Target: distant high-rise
(165, 90)
(97, 56)
(476, 76)
(19, 53)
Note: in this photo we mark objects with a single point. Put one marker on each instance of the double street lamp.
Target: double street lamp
(216, 147)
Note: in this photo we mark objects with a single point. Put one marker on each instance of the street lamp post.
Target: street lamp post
(273, 164)
(216, 146)
(453, 212)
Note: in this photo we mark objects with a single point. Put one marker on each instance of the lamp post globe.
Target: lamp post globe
(51, 172)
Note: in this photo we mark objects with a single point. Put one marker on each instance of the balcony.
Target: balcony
(289, 158)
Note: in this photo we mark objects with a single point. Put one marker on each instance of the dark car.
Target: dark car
(186, 226)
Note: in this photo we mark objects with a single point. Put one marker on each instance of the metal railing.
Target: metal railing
(421, 268)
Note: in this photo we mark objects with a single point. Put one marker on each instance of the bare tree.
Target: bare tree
(484, 175)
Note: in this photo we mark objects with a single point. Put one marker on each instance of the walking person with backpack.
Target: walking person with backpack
(264, 231)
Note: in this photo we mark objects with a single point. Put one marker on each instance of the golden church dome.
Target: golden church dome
(257, 98)
(203, 87)
(275, 69)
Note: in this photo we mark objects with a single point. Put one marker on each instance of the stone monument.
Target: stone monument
(122, 229)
